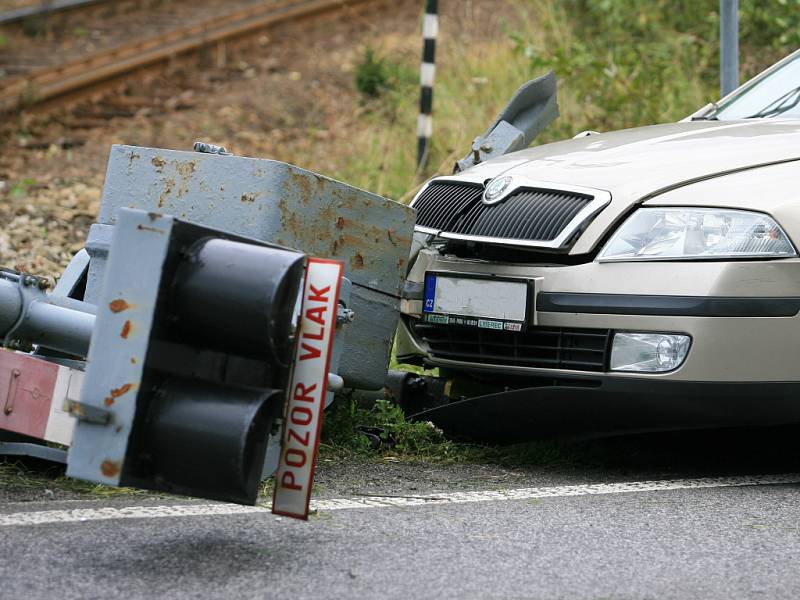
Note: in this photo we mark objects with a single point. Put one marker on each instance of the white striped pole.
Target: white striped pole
(430, 28)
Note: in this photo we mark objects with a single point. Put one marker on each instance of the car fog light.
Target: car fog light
(648, 352)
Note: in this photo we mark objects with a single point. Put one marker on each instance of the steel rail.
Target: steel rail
(44, 9)
(52, 82)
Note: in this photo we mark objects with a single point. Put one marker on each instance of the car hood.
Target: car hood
(636, 164)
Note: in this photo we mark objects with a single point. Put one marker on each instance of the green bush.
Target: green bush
(381, 77)
(619, 63)
(372, 75)
(626, 63)
(770, 25)
(399, 437)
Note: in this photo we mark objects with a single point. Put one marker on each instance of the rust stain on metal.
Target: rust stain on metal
(185, 171)
(292, 223)
(302, 181)
(75, 409)
(158, 163)
(141, 227)
(186, 168)
(401, 262)
(126, 330)
(153, 216)
(110, 468)
(118, 305)
(168, 185)
(133, 360)
(132, 157)
(116, 393)
(333, 228)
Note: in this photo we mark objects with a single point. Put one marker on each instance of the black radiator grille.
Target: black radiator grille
(527, 215)
(441, 203)
(541, 347)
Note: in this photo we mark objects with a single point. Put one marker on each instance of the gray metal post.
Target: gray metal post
(57, 328)
(729, 46)
(57, 323)
(10, 307)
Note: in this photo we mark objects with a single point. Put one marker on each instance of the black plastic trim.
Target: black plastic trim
(678, 306)
(617, 405)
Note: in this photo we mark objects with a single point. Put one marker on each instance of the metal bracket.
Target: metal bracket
(532, 107)
(30, 316)
(11, 394)
(88, 413)
(344, 315)
(30, 288)
(207, 148)
(34, 450)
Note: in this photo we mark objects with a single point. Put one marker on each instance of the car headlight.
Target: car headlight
(696, 233)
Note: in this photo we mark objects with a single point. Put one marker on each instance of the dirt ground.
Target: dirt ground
(12, 4)
(281, 94)
(275, 88)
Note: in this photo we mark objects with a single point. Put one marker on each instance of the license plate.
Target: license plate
(488, 303)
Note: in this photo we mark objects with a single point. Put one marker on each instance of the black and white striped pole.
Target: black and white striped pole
(430, 28)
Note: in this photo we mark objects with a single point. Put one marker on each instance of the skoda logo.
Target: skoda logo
(494, 191)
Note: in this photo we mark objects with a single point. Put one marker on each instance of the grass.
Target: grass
(619, 63)
(19, 189)
(35, 476)
(394, 438)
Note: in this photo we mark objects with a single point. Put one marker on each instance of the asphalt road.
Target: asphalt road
(562, 537)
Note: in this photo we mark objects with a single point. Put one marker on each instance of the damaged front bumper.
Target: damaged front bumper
(557, 374)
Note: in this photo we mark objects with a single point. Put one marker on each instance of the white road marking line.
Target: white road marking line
(131, 512)
(200, 510)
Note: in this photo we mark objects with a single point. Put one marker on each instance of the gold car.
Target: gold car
(627, 281)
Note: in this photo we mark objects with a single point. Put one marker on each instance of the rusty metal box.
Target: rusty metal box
(283, 204)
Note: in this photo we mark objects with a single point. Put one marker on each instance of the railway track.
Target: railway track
(45, 9)
(56, 37)
(51, 83)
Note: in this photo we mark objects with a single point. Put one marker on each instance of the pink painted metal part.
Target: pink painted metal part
(27, 385)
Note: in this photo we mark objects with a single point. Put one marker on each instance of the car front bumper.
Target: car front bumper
(742, 316)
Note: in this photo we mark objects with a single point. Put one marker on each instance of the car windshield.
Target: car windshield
(776, 95)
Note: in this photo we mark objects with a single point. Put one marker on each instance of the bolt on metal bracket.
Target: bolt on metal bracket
(207, 148)
(344, 315)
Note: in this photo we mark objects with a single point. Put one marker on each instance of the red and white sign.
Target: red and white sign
(33, 394)
(306, 393)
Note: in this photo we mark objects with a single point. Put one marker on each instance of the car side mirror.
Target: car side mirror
(532, 107)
